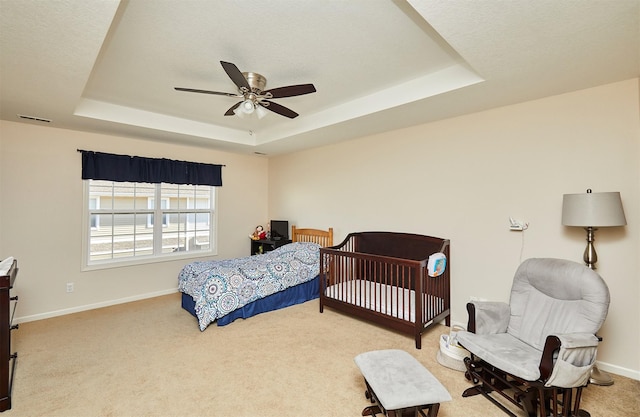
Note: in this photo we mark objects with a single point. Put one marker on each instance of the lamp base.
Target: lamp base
(599, 377)
(590, 256)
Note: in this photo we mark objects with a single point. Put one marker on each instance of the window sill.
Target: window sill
(110, 264)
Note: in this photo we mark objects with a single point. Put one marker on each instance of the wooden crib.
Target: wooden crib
(376, 275)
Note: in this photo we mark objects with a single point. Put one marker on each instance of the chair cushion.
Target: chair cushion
(555, 296)
(505, 352)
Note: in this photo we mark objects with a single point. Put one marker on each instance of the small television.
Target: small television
(279, 229)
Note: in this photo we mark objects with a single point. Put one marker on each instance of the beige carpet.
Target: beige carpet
(149, 358)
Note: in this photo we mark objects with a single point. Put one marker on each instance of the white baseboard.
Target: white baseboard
(618, 370)
(63, 312)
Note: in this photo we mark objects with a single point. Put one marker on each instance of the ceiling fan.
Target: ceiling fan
(252, 94)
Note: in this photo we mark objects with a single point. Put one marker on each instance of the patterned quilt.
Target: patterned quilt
(219, 287)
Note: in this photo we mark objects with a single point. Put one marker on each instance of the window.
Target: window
(120, 226)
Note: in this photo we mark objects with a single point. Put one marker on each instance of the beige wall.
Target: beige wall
(40, 180)
(459, 178)
(462, 178)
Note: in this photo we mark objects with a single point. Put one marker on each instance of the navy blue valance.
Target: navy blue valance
(125, 168)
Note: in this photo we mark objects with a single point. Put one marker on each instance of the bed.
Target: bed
(384, 278)
(224, 290)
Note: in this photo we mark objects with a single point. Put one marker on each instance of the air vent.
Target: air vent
(34, 118)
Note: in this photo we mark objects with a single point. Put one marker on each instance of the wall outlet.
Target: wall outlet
(69, 286)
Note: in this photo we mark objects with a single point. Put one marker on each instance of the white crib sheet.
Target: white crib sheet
(382, 298)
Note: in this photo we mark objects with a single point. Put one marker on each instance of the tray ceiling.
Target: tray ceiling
(111, 66)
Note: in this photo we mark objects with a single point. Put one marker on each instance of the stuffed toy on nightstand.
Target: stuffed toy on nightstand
(259, 233)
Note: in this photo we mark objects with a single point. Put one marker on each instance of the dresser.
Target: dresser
(8, 303)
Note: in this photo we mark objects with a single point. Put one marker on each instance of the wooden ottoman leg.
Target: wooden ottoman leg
(369, 392)
(372, 410)
(433, 410)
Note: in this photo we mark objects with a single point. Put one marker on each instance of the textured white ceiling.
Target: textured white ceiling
(110, 66)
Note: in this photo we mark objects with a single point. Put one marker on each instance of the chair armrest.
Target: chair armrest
(488, 317)
(551, 348)
(578, 350)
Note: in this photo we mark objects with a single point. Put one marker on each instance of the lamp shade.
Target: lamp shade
(593, 210)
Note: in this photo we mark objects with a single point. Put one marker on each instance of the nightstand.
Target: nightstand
(267, 245)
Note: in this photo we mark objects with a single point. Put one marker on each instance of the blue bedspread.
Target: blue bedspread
(219, 287)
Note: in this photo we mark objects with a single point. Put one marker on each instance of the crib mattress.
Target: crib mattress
(382, 298)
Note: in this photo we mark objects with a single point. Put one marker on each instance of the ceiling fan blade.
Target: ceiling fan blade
(232, 108)
(281, 110)
(291, 90)
(218, 93)
(236, 76)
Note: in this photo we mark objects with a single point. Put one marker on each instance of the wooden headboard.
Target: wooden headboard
(323, 238)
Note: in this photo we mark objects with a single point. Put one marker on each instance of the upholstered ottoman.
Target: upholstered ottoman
(397, 382)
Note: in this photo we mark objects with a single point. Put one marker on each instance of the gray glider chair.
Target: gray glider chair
(537, 351)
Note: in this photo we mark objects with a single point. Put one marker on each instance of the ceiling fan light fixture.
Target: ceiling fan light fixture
(238, 112)
(245, 108)
(248, 106)
(261, 111)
